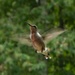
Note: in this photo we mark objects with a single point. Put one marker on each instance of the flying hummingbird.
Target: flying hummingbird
(37, 41)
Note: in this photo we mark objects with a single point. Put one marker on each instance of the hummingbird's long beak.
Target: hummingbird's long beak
(29, 24)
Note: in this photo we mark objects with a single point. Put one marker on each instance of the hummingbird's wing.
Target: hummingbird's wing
(47, 37)
(52, 34)
(22, 39)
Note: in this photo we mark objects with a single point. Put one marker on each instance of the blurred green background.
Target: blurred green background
(17, 58)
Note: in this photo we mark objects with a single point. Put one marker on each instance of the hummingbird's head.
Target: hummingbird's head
(33, 28)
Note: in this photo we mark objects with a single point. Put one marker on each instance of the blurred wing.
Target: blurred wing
(22, 39)
(47, 37)
(52, 34)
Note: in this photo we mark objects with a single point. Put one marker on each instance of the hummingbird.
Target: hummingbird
(37, 41)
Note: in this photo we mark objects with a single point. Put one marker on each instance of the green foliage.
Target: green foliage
(19, 59)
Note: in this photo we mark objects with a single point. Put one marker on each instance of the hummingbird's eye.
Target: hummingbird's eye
(35, 26)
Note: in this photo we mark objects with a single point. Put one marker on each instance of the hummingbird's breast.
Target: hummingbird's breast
(37, 41)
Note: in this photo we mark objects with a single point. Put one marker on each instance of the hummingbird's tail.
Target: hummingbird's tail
(46, 53)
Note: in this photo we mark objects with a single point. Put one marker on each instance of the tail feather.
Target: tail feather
(46, 53)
